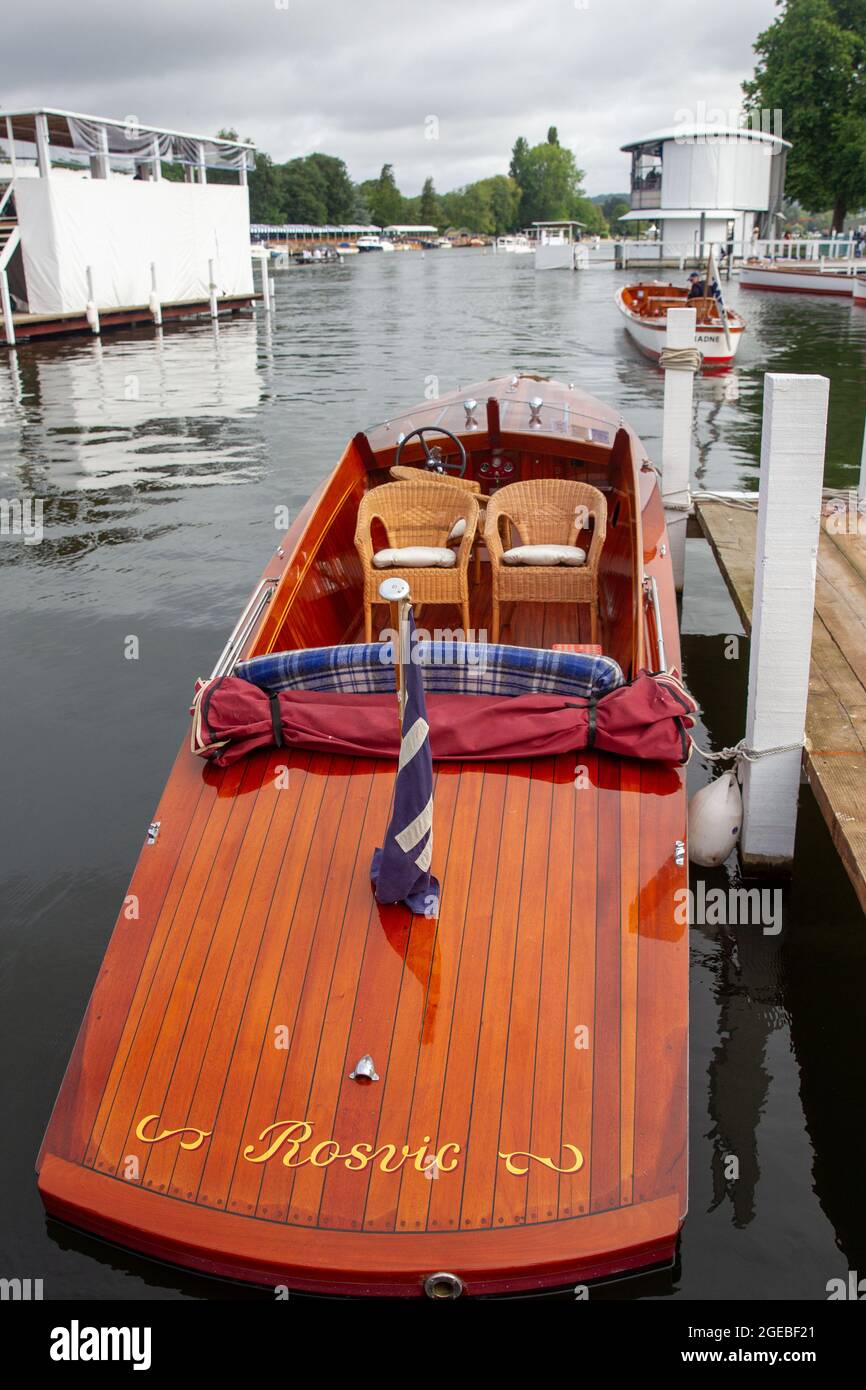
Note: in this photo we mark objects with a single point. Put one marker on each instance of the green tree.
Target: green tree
(304, 193)
(550, 183)
(552, 135)
(478, 208)
(361, 213)
(614, 209)
(505, 203)
(519, 157)
(266, 202)
(429, 207)
(339, 189)
(385, 199)
(812, 67)
(590, 214)
(613, 205)
(453, 208)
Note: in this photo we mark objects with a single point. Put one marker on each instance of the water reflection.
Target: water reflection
(749, 994)
(148, 409)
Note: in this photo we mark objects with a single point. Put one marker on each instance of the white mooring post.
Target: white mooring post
(212, 291)
(789, 522)
(266, 283)
(677, 439)
(90, 310)
(154, 302)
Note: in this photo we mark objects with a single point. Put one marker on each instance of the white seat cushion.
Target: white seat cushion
(545, 555)
(415, 557)
(458, 530)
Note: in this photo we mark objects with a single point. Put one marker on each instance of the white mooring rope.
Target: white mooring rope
(740, 753)
(686, 359)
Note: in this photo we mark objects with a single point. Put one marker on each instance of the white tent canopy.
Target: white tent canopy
(128, 138)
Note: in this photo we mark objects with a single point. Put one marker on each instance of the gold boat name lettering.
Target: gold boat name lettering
(196, 1143)
(287, 1137)
(520, 1170)
(290, 1135)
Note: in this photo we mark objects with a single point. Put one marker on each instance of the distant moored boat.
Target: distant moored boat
(805, 277)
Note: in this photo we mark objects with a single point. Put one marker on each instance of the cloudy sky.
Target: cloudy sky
(360, 78)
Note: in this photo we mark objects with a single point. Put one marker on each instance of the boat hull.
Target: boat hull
(860, 291)
(610, 1244)
(793, 280)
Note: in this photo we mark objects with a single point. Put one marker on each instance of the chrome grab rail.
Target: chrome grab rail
(244, 626)
(651, 593)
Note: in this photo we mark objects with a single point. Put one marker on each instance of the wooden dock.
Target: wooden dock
(835, 751)
(29, 326)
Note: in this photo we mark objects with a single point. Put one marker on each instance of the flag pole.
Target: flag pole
(395, 593)
(714, 277)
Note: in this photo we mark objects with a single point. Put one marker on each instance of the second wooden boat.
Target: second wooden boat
(797, 277)
(645, 305)
(283, 1080)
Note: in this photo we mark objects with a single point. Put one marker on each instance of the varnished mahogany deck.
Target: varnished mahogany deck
(546, 1008)
(547, 927)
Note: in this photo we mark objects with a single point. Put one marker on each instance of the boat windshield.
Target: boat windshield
(562, 419)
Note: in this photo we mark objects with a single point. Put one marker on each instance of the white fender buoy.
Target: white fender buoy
(715, 820)
(91, 313)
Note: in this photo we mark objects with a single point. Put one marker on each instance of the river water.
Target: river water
(161, 462)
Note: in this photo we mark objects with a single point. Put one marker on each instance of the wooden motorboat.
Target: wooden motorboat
(528, 1125)
(797, 277)
(860, 290)
(644, 306)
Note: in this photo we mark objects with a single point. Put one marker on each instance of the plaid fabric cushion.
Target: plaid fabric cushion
(467, 668)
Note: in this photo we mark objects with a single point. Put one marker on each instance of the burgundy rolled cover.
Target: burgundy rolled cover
(648, 718)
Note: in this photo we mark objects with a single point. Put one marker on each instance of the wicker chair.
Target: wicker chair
(404, 473)
(421, 513)
(544, 511)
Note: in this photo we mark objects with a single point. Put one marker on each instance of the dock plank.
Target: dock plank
(834, 756)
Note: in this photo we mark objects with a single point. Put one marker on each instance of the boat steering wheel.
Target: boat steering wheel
(434, 462)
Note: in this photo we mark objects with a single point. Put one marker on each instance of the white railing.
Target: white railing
(802, 248)
(819, 249)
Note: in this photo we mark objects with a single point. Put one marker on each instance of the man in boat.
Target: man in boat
(696, 286)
